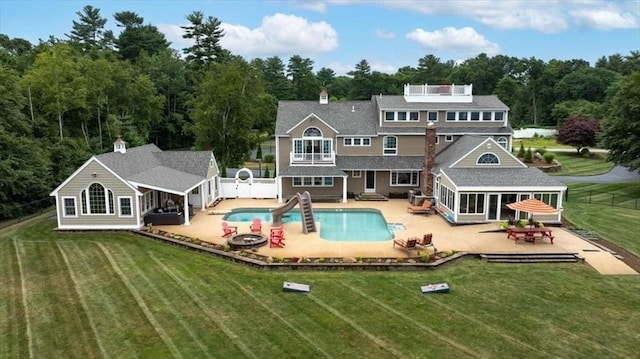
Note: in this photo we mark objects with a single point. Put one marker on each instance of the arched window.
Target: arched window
(502, 141)
(97, 199)
(488, 159)
(312, 132)
(389, 145)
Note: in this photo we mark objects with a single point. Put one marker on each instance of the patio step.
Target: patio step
(371, 197)
(530, 257)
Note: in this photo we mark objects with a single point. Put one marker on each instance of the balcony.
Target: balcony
(438, 93)
(328, 158)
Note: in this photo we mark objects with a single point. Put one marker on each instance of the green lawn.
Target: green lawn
(619, 223)
(85, 295)
(537, 142)
(573, 165)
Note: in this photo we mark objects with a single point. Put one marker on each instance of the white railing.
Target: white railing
(312, 158)
(438, 93)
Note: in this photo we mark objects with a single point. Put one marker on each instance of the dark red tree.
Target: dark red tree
(579, 132)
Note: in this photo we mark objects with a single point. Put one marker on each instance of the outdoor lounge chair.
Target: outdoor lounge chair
(424, 208)
(408, 244)
(256, 226)
(276, 237)
(229, 230)
(427, 241)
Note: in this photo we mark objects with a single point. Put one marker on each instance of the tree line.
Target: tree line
(62, 100)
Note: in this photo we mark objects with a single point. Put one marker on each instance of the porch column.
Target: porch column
(344, 189)
(186, 209)
(204, 194)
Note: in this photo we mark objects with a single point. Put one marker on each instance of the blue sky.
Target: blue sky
(388, 34)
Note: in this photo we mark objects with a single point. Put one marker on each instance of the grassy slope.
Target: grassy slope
(86, 294)
(573, 165)
(618, 224)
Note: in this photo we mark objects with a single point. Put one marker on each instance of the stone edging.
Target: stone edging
(390, 264)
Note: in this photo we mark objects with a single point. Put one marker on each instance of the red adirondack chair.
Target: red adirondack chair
(256, 226)
(276, 237)
(229, 230)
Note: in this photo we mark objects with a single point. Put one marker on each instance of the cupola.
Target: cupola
(324, 97)
(119, 146)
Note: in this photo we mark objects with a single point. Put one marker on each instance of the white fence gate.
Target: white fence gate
(244, 185)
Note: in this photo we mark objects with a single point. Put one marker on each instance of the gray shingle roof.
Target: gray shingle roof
(380, 162)
(327, 171)
(456, 150)
(149, 165)
(525, 177)
(485, 102)
(339, 115)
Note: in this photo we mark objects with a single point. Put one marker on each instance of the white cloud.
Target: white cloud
(383, 34)
(462, 41)
(604, 19)
(547, 16)
(317, 6)
(278, 35)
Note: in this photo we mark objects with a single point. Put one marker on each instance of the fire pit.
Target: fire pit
(247, 240)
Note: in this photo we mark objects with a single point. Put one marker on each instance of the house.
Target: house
(128, 188)
(453, 145)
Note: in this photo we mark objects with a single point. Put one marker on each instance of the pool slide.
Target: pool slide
(304, 200)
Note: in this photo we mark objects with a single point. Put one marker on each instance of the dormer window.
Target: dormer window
(488, 159)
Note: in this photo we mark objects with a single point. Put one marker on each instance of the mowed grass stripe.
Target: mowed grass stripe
(594, 289)
(286, 322)
(122, 329)
(85, 308)
(200, 302)
(387, 346)
(324, 327)
(14, 326)
(412, 319)
(145, 285)
(51, 300)
(141, 304)
(564, 337)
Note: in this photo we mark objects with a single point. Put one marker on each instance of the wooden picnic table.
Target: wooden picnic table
(530, 234)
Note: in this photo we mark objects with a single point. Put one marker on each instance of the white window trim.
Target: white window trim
(120, 206)
(448, 138)
(64, 207)
(396, 117)
(411, 173)
(302, 184)
(395, 153)
(488, 164)
(446, 117)
(503, 140)
(430, 112)
(437, 140)
(352, 140)
(356, 174)
(107, 190)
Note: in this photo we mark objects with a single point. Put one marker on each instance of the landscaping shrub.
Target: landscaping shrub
(268, 158)
(259, 152)
(548, 157)
(528, 156)
(541, 151)
(584, 152)
(266, 173)
(521, 151)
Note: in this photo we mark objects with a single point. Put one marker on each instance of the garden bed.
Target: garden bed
(254, 259)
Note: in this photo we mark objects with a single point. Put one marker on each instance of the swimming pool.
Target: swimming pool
(352, 225)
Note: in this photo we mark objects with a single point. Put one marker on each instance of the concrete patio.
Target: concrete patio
(481, 238)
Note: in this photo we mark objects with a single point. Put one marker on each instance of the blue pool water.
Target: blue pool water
(335, 224)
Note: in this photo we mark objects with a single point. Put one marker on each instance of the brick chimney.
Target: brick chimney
(429, 160)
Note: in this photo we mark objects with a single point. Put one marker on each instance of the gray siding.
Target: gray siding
(506, 160)
(81, 181)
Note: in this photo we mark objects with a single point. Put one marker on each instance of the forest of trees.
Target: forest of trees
(63, 100)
